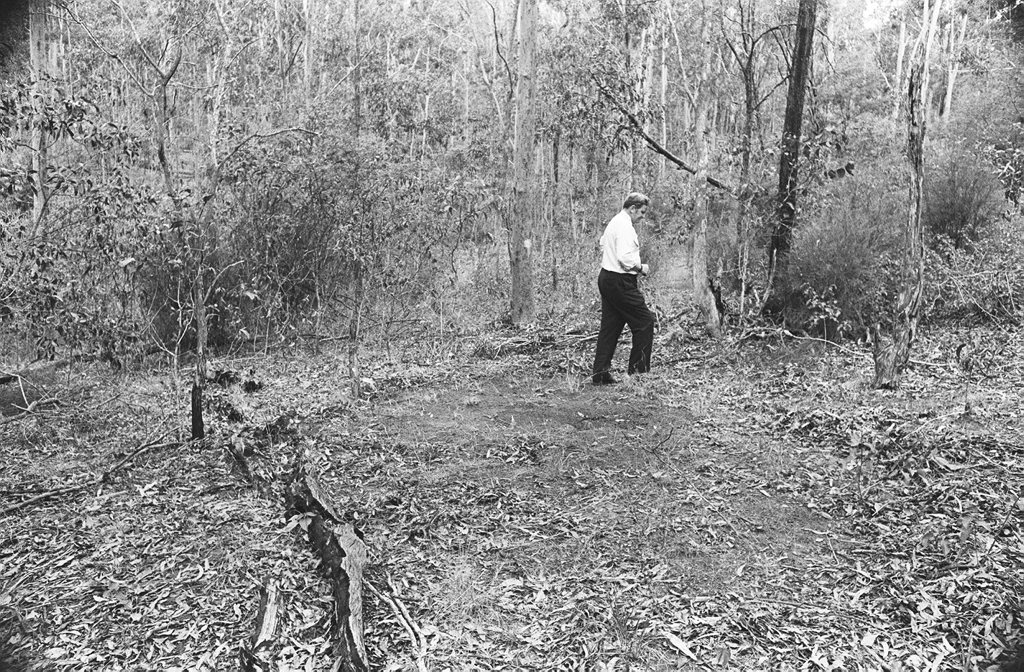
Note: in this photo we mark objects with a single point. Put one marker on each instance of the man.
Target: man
(621, 300)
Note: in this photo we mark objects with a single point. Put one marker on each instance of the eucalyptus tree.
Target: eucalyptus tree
(523, 190)
(892, 359)
(786, 209)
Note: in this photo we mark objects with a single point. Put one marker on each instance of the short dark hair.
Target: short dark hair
(634, 199)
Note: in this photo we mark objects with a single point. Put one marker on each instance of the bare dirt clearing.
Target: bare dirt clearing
(751, 508)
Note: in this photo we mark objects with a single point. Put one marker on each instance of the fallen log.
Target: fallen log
(267, 622)
(341, 550)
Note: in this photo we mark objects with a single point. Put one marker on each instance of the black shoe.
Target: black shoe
(604, 379)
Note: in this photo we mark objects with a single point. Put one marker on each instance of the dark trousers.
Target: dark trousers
(622, 304)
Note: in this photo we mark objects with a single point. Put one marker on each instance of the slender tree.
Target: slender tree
(901, 53)
(954, 46)
(43, 64)
(891, 359)
(521, 242)
(747, 53)
(703, 297)
(786, 208)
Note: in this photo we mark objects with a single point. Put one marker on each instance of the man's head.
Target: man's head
(636, 205)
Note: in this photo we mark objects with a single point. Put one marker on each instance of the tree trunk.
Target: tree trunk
(357, 71)
(467, 69)
(663, 94)
(786, 213)
(279, 34)
(355, 374)
(185, 225)
(521, 243)
(897, 86)
(202, 336)
(956, 43)
(747, 61)
(307, 54)
(510, 65)
(890, 363)
(703, 297)
(43, 66)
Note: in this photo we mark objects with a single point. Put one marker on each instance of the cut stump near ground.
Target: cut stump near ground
(267, 623)
(343, 554)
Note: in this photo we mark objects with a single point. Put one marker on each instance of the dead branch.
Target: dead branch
(419, 642)
(638, 128)
(29, 409)
(104, 478)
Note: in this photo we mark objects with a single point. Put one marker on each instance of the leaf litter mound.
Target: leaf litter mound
(745, 507)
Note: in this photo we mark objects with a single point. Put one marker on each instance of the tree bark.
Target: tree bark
(202, 335)
(184, 224)
(786, 211)
(521, 243)
(279, 34)
(891, 362)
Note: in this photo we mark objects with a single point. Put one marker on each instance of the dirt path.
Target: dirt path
(563, 524)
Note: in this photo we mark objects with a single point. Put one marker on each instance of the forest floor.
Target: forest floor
(748, 505)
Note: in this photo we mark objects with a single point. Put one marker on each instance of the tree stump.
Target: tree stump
(887, 374)
(267, 622)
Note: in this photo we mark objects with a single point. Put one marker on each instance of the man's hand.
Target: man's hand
(644, 269)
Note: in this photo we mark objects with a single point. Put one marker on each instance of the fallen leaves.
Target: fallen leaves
(733, 516)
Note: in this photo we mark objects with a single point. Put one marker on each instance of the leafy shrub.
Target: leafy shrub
(67, 280)
(962, 196)
(843, 266)
(314, 237)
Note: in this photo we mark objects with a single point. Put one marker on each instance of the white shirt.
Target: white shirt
(620, 247)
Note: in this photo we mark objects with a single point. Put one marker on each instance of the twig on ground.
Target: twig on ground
(28, 409)
(995, 537)
(857, 353)
(678, 471)
(149, 445)
(654, 450)
(790, 334)
(105, 402)
(419, 642)
(21, 386)
(45, 495)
